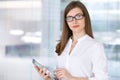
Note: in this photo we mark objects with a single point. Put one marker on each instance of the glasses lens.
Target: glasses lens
(69, 18)
(78, 17)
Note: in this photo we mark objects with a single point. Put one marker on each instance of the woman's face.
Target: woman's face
(76, 20)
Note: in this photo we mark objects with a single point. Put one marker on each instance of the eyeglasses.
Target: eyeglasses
(77, 17)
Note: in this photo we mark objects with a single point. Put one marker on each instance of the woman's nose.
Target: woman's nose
(74, 20)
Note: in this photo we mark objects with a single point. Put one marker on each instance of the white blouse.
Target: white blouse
(87, 59)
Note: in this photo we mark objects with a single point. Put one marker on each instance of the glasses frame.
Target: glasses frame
(75, 17)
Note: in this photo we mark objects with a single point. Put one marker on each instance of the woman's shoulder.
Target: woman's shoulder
(96, 48)
(93, 42)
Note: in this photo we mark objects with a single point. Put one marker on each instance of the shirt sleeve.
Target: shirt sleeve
(99, 63)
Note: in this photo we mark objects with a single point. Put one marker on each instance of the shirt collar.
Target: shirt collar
(81, 38)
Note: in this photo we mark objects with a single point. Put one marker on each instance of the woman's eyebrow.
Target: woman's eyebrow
(74, 15)
(79, 13)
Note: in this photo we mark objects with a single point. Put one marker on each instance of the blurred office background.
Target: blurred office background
(30, 29)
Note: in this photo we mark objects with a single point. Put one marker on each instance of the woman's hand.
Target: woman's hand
(63, 73)
(42, 72)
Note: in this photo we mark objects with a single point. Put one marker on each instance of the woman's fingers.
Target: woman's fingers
(37, 68)
(46, 76)
(59, 74)
(42, 72)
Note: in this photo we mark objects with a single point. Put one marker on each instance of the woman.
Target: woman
(80, 57)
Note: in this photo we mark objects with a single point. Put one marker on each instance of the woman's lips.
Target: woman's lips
(75, 26)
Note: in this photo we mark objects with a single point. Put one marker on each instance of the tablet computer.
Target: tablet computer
(37, 63)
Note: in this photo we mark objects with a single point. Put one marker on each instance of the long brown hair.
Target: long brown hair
(66, 32)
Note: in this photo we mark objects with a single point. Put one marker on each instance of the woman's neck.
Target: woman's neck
(76, 36)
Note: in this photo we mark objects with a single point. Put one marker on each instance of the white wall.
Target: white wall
(17, 69)
(2, 51)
